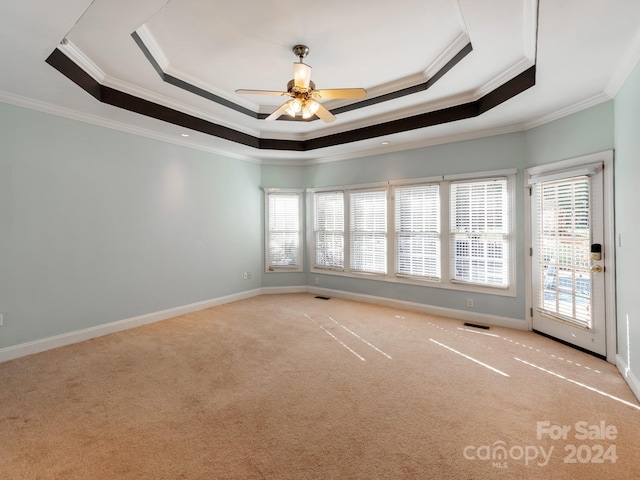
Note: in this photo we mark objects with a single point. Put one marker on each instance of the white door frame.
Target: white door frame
(609, 240)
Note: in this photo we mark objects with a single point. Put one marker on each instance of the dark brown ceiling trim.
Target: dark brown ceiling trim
(510, 89)
(73, 72)
(409, 90)
(114, 97)
(336, 111)
(176, 82)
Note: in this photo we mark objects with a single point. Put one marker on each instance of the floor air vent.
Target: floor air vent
(475, 325)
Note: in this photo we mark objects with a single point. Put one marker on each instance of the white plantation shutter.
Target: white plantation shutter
(564, 240)
(368, 229)
(329, 229)
(479, 232)
(283, 223)
(417, 223)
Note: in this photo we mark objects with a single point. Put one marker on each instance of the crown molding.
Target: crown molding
(569, 110)
(139, 92)
(117, 98)
(51, 109)
(152, 45)
(513, 71)
(427, 142)
(48, 108)
(447, 55)
(79, 58)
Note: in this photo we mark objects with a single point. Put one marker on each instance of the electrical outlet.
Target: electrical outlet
(1, 319)
(317, 281)
(470, 302)
(245, 275)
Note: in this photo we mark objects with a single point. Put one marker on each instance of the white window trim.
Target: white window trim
(281, 268)
(390, 276)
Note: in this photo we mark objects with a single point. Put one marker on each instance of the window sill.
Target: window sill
(429, 283)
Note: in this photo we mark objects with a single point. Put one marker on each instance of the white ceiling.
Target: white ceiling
(582, 49)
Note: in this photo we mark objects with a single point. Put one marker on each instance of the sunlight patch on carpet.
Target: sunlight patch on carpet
(613, 397)
(470, 358)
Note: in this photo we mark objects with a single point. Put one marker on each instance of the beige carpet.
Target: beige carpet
(294, 387)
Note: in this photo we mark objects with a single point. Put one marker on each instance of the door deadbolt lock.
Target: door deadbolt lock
(596, 269)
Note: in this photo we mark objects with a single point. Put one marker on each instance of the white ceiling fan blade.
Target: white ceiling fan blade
(325, 114)
(278, 113)
(260, 92)
(341, 93)
(301, 75)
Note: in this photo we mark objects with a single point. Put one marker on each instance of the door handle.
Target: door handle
(596, 269)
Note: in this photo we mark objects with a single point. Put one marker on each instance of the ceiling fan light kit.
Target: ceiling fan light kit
(304, 93)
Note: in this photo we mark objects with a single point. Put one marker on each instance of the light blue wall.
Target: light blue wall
(585, 132)
(627, 200)
(98, 226)
(490, 153)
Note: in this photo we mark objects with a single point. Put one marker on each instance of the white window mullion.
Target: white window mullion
(445, 221)
(347, 234)
(391, 239)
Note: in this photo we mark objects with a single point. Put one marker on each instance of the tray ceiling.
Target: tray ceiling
(434, 70)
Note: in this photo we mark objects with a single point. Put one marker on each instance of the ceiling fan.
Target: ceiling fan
(304, 95)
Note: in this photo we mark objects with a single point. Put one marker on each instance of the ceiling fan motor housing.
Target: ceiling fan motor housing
(291, 84)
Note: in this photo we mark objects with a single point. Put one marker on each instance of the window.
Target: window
(328, 221)
(479, 232)
(417, 222)
(451, 232)
(283, 232)
(368, 231)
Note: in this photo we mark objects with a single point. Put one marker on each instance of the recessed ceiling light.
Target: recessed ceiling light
(184, 134)
(385, 142)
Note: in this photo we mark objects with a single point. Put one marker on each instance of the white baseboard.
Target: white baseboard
(281, 290)
(628, 375)
(481, 318)
(37, 346)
